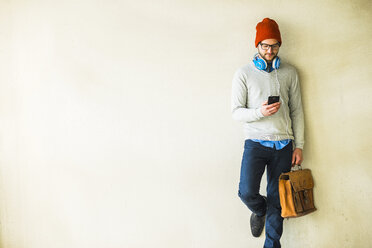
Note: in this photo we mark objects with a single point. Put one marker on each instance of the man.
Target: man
(274, 133)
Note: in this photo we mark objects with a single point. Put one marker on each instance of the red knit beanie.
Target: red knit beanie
(267, 29)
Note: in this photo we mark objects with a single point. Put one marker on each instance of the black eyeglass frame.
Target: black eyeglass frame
(273, 46)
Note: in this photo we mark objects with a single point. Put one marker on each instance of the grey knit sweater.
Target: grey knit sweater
(251, 87)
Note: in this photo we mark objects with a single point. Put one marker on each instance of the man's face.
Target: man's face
(271, 51)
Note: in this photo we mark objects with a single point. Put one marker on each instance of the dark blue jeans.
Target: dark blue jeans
(256, 158)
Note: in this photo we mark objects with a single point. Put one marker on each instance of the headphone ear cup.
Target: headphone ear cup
(276, 63)
(260, 63)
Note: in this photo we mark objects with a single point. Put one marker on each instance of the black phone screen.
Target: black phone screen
(273, 99)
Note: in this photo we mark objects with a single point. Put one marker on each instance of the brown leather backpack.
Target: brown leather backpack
(296, 193)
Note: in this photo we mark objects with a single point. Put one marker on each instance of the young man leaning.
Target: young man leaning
(274, 131)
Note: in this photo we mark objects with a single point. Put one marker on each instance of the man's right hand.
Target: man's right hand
(271, 109)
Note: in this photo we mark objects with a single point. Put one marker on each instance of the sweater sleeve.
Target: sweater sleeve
(296, 112)
(239, 109)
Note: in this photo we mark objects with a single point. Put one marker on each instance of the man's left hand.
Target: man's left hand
(297, 157)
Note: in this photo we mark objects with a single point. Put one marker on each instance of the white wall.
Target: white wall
(115, 124)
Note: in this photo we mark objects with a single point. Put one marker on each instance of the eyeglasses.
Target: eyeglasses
(266, 46)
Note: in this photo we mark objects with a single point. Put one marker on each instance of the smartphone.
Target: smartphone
(272, 99)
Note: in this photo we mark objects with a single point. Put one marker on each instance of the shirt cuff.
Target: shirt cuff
(299, 145)
(259, 113)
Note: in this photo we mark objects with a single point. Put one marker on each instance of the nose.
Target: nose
(270, 49)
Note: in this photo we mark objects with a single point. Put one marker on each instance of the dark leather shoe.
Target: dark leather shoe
(257, 224)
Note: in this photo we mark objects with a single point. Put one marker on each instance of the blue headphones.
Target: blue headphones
(262, 65)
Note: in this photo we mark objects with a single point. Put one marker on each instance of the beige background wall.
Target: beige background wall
(115, 124)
